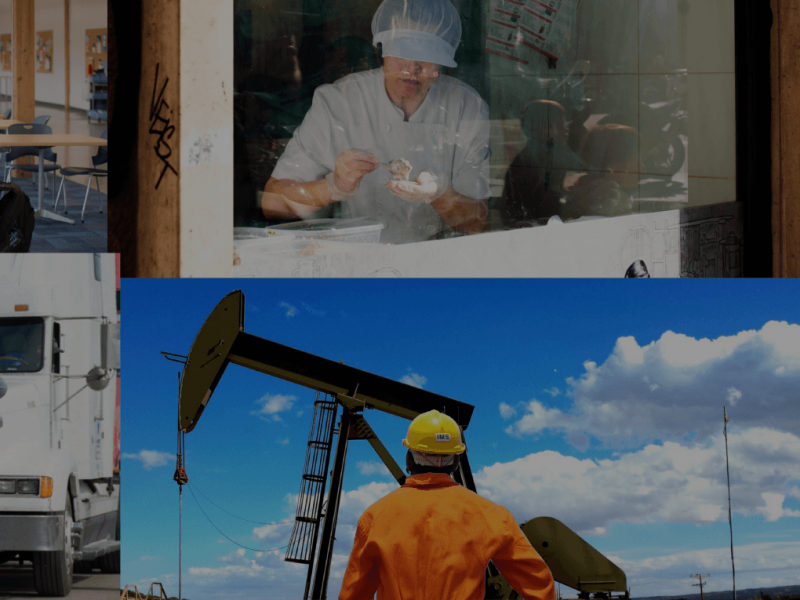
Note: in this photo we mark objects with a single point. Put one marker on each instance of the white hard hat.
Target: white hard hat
(423, 30)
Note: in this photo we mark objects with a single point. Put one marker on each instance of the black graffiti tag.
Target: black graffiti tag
(161, 127)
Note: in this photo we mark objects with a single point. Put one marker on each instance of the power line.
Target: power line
(238, 517)
(225, 536)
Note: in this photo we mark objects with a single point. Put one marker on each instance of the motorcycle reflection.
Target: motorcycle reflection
(570, 92)
(660, 126)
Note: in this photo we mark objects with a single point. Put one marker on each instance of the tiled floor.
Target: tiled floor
(54, 236)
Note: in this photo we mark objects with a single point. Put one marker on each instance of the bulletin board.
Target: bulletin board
(44, 51)
(96, 50)
(5, 52)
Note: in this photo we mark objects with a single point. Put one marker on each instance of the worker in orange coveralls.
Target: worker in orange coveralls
(432, 538)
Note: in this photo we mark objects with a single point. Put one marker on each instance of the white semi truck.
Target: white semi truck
(59, 415)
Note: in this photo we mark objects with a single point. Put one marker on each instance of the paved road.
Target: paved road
(16, 583)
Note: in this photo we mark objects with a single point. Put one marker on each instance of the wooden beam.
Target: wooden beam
(24, 44)
(66, 69)
(785, 83)
(24, 47)
(159, 134)
(185, 153)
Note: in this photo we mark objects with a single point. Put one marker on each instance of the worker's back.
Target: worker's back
(432, 539)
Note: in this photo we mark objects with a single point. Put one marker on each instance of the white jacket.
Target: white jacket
(448, 134)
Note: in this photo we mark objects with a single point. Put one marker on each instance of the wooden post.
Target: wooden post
(185, 156)
(159, 134)
(66, 74)
(785, 82)
(24, 46)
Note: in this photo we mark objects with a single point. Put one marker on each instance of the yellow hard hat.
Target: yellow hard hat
(434, 432)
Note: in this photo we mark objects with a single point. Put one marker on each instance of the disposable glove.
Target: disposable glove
(427, 188)
(351, 166)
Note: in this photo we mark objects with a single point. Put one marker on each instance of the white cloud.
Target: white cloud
(151, 458)
(630, 351)
(773, 507)
(290, 310)
(672, 482)
(272, 404)
(769, 563)
(507, 411)
(579, 440)
(273, 531)
(414, 379)
(537, 418)
(144, 584)
(676, 386)
(282, 442)
(313, 311)
(553, 391)
(247, 574)
(373, 468)
(734, 396)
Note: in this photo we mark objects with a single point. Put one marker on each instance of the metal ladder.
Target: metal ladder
(302, 544)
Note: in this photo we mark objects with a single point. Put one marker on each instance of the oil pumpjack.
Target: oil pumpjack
(222, 341)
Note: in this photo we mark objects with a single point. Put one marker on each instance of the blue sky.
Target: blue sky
(597, 402)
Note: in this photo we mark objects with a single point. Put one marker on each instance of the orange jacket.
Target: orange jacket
(432, 539)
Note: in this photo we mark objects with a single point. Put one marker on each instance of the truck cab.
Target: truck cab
(59, 365)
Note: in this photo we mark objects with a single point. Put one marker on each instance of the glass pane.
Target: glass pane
(590, 106)
(21, 345)
(574, 109)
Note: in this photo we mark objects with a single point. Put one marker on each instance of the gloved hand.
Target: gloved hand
(351, 166)
(427, 188)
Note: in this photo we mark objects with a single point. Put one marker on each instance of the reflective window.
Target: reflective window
(452, 118)
(21, 345)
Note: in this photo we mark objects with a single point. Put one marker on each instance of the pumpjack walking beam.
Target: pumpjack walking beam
(222, 341)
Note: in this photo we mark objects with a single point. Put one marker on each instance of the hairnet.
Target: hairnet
(423, 30)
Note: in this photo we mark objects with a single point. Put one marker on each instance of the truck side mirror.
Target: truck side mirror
(110, 346)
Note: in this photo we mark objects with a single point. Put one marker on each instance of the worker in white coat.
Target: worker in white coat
(405, 110)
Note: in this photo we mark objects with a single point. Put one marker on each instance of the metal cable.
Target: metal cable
(241, 518)
(225, 536)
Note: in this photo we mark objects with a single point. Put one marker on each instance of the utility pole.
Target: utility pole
(730, 520)
(700, 579)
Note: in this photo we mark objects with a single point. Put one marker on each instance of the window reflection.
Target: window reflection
(572, 109)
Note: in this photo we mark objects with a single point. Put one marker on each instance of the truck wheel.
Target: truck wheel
(52, 571)
(109, 563)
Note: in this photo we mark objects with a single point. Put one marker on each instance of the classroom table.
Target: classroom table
(5, 123)
(42, 142)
